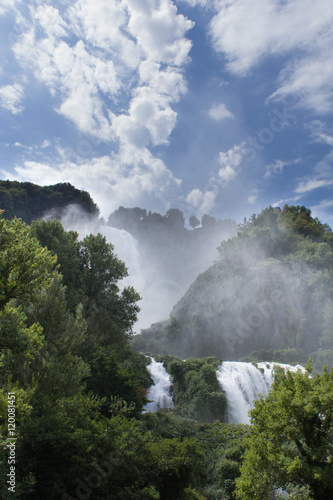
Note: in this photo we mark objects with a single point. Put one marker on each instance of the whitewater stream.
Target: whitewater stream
(160, 393)
(242, 382)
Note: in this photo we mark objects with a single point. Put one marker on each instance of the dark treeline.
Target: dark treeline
(30, 201)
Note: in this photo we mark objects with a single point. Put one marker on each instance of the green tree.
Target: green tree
(66, 247)
(291, 442)
(25, 268)
(24, 264)
(110, 314)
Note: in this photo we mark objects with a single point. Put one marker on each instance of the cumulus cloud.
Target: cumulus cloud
(150, 119)
(203, 202)
(11, 97)
(7, 4)
(114, 69)
(247, 31)
(252, 198)
(160, 30)
(73, 74)
(92, 55)
(230, 162)
(219, 112)
(130, 177)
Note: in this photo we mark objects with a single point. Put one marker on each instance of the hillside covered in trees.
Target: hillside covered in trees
(72, 389)
(269, 293)
(30, 201)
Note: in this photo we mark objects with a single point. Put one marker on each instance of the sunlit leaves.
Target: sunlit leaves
(291, 438)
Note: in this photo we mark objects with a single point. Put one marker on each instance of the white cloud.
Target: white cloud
(219, 112)
(310, 80)
(11, 97)
(230, 162)
(7, 4)
(320, 133)
(50, 21)
(203, 202)
(227, 173)
(287, 201)
(322, 176)
(130, 178)
(311, 184)
(160, 31)
(94, 55)
(169, 82)
(278, 166)
(252, 198)
(150, 119)
(247, 31)
(193, 3)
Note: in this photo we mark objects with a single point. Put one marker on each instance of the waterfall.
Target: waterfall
(125, 246)
(242, 382)
(160, 392)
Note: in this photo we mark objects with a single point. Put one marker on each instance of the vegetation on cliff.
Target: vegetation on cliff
(271, 289)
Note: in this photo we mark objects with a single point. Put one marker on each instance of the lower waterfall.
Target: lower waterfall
(242, 382)
(160, 393)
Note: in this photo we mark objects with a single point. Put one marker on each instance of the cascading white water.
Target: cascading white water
(125, 246)
(242, 382)
(160, 393)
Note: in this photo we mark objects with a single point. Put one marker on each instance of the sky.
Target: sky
(209, 106)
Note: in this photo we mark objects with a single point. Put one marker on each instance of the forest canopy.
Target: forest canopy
(78, 388)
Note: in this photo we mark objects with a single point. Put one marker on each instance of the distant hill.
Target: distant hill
(270, 290)
(30, 201)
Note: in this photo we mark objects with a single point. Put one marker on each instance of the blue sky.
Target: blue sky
(209, 106)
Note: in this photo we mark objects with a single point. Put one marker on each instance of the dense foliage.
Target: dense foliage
(30, 201)
(290, 447)
(196, 390)
(78, 388)
(271, 289)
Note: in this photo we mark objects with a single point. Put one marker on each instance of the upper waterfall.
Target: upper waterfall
(243, 382)
(159, 393)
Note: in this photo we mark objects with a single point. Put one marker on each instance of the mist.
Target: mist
(163, 258)
(268, 296)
